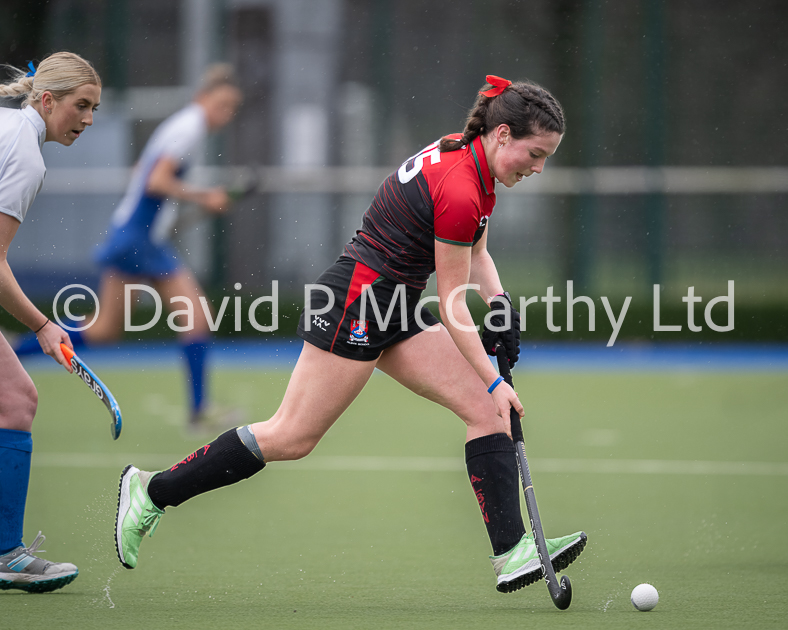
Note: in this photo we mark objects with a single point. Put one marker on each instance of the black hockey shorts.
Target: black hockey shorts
(340, 328)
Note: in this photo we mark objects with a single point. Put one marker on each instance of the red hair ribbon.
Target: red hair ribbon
(499, 85)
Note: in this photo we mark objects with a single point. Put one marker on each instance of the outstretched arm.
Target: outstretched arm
(163, 181)
(14, 300)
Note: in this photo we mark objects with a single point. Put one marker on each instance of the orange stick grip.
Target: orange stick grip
(67, 352)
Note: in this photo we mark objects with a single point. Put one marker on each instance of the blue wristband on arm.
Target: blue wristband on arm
(494, 385)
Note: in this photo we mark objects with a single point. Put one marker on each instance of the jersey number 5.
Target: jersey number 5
(432, 151)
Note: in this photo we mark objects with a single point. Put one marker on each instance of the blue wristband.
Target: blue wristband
(494, 385)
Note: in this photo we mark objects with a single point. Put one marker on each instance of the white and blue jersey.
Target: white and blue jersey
(137, 242)
(22, 170)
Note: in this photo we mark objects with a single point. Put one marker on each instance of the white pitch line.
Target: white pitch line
(150, 461)
(661, 467)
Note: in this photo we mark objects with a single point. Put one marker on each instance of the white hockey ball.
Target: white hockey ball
(644, 597)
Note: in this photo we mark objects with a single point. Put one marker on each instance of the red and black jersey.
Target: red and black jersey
(444, 196)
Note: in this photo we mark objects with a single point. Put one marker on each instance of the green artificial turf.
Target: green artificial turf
(340, 540)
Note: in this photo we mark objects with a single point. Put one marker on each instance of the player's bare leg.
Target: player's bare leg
(322, 386)
(182, 284)
(108, 326)
(431, 365)
(18, 395)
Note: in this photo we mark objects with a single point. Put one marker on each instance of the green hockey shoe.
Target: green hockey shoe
(521, 567)
(136, 516)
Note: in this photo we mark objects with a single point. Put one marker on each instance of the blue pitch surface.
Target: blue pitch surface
(282, 354)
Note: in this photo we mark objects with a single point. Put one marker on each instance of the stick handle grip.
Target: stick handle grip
(67, 352)
(503, 370)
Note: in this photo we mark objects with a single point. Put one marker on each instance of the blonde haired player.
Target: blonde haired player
(59, 100)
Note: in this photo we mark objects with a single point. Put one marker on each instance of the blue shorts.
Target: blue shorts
(132, 252)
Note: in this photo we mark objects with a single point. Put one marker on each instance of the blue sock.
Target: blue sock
(195, 358)
(15, 452)
(28, 343)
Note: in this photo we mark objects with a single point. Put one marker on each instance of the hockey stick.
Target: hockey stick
(242, 192)
(561, 593)
(97, 387)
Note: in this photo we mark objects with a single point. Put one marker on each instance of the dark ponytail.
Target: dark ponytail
(526, 107)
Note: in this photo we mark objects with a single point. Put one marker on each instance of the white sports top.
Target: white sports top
(22, 170)
(178, 138)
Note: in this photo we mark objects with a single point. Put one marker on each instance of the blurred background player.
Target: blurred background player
(430, 216)
(137, 248)
(59, 100)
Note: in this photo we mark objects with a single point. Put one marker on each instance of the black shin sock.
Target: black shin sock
(223, 462)
(492, 469)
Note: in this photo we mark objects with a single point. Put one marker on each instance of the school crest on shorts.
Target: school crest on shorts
(359, 331)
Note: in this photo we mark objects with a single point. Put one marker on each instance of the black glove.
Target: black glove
(509, 336)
